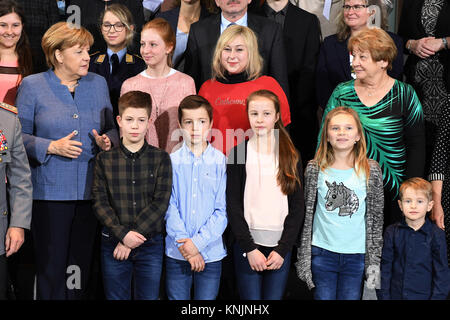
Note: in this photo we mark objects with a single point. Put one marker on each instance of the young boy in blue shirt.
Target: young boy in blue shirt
(414, 259)
(196, 217)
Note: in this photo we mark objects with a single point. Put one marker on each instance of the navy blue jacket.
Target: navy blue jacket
(130, 66)
(414, 264)
(333, 66)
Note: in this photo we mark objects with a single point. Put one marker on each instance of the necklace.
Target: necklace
(370, 94)
(71, 86)
(158, 104)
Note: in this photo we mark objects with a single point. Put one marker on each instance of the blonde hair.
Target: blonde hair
(255, 61)
(417, 184)
(344, 31)
(63, 35)
(125, 17)
(325, 153)
(378, 42)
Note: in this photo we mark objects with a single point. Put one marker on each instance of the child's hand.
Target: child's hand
(102, 141)
(274, 261)
(121, 252)
(197, 263)
(256, 260)
(188, 249)
(133, 239)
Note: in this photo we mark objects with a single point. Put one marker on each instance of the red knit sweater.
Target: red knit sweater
(229, 111)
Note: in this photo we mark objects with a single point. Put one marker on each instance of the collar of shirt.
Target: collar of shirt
(151, 4)
(270, 12)
(186, 153)
(120, 54)
(426, 228)
(132, 155)
(224, 22)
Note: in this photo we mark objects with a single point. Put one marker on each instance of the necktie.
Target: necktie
(114, 63)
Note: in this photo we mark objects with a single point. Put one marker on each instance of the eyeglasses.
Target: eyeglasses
(356, 7)
(118, 27)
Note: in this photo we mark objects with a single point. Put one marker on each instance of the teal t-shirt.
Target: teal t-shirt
(339, 222)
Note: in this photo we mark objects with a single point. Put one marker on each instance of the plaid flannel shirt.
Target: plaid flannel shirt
(131, 191)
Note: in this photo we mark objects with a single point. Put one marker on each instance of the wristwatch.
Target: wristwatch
(445, 42)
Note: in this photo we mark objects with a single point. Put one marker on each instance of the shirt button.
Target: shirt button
(75, 116)
(193, 211)
(75, 132)
(134, 182)
(194, 195)
(134, 203)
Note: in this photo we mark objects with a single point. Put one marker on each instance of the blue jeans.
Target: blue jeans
(337, 276)
(143, 266)
(179, 278)
(265, 285)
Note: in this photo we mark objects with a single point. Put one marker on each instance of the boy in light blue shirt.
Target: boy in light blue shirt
(196, 217)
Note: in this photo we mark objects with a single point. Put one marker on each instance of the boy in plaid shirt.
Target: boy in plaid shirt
(131, 191)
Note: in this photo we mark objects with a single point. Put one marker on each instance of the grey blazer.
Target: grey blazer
(13, 167)
(374, 222)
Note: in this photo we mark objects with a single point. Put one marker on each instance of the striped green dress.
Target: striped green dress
(394, 130)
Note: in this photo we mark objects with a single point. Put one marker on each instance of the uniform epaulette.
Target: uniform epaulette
(138, 56)
(100, 59)
(129, 58)
(8, 107)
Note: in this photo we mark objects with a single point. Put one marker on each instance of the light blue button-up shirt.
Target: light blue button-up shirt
(224, 22)
(120, 55)
(197, 207)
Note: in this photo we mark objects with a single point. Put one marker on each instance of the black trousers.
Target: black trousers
(3, 277)
(63, 235)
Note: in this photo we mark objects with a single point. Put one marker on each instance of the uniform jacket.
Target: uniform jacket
(47, 112)
(130, 66)
(374, 221)
(13, 167)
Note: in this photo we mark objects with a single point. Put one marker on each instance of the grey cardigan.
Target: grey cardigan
(374, 222)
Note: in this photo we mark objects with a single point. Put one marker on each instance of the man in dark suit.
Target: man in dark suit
(204, 34)
(301, 33)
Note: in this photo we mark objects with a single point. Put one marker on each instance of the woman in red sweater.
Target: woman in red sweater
(237, 67)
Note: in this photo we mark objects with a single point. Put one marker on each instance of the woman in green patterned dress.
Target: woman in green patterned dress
(390, 113)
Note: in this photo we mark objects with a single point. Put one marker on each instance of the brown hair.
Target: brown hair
(417, 184)
(378, 42)
(135, 99)
(288, 156)
(325, 153)
(166, 32)
(63, 35)
(23, 50)
(124, 15)
(192, 102)
(343, 30)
